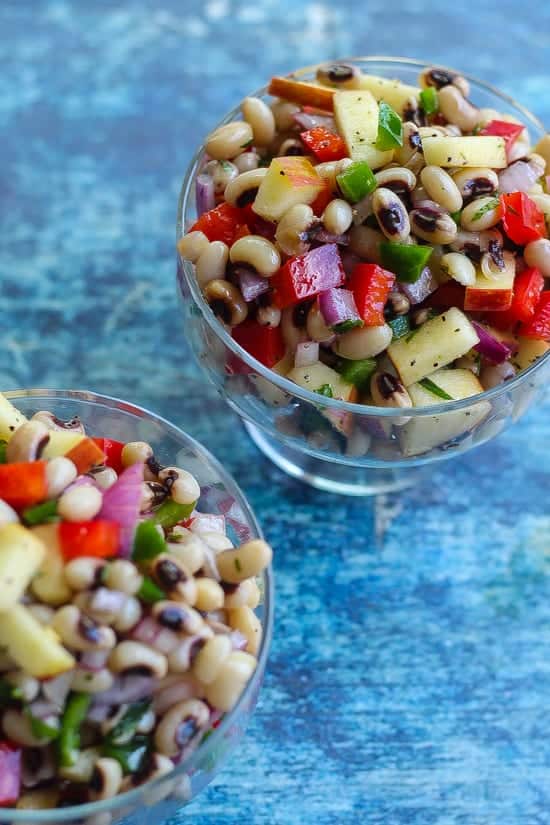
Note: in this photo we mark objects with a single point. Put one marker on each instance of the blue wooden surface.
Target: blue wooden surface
(410, 677)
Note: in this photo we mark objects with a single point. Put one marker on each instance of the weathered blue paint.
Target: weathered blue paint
(409, 681)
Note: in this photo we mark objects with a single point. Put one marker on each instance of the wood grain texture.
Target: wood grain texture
(409, 680)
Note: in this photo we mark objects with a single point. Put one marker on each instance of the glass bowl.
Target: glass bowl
(381, 455)
(161, 798)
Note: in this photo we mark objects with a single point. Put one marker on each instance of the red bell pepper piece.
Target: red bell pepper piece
(527, 291)
(305, 276)
(322, 200)
(523, 221)
(539, 325)
(324, 144)
(10, 774)
(371, 286)
(450, 294)
(223, 223)
(85, 455)
(99, 538)
(23, 484)
(112, 451)
(265, 344)
(256, 225)
(501, 128)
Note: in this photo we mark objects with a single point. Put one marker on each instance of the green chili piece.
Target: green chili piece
(148, 543)
(357, 373)
(429, 100)
(356, 181)
(41, 729)
(170, 513)
(129, 756)
(390, 128)
(400, 326)
(325, 390)
(69, 734)
(41, 513)
(435, 389)
(126, 728)
(149, 592)
(345, 326)
(406, 260)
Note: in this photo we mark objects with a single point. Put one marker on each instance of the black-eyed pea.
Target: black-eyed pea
(38, 799)
(184, 487)
(398, 303)
(83, 573)
(86, 681)
(105, 477)
(226, 301)
(178, 617)
(128, 616)
(291, 147)
(543, 148)
(363, 343)
(43, 613)
(458, 267)
(441, 188)
(28, 687)
(457, 109)
(537, 253)
(60, 472)
(244, 188)
(210, 658)
(212, 263)
(412, 144)
(210, 595)
(135, 452)
(192, 245)
(180, 726)
(293, 333)
(27, 442)
(492, 267)
(391, 214)
(78, 632)
(246, 622)
(268, 316)
(7, 514)
(182, 657)
(17, 728)
(216, 541)
(494, 375)
(82, 768)
(245, 561)
(481, 214)
(316, 325)
(328, 170)
(156, 765)
(475, 182)
(135, 657)
(399, 179)
(172, 577)
(238, 595)
(247, 161)
(189, 550)
(256, 252)
(123, 575)
(81, 503)
(358, 443)
(340, 75)
(225, 691)
(433, 225)
(337, 216)
(283, 112)
(291, 233)
(520, 148)
(261, 119)
(365, 242)
(228, 141)
(106, 779)
(388, 391)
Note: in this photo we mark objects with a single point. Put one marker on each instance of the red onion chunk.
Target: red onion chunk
(207, 523)
(121, 503)
(238, 641)
(251, 285)
(56, 690)
(126, 689)
(204, 194)
(184, 688)
(10, 774)
(490, 347)
(519, 177)
(93, 660)
(41, 709)
(307, 353)
(146, 631)
(337, 306)
(107, 601)
(98, 714)
(424, 286)
(307, 121)
(323, 236)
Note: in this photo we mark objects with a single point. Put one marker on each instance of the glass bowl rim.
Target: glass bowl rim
(284, 383)
(135, 796)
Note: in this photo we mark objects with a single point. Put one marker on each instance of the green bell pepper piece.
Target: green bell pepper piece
(131, 755)
(400, 326)
(429, 100)
(41, 513)
(148, 543)
(69, 735)
(41, 729)
(326, 390)
(170, 513)
(406, 260)
(356, 181)
(357, 373)
(390, 128)
(125, 729)
(435, 389)
(3, 448)
(149, 592)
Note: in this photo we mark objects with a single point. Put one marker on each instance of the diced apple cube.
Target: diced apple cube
(356, 116)
(398, 95)
(61, 441)
(10, 418)
(21, 554)
(49, 583)
(33, 647)
(420, 435)
(289, 181)
(472, 150)
(529, 350)
(492, 294)
(435, 344)
(319, 375)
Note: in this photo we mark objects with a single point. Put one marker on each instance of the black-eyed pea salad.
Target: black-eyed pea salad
(374, 241)
(127, 623)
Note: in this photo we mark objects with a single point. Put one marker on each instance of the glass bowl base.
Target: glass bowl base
(344, 479)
